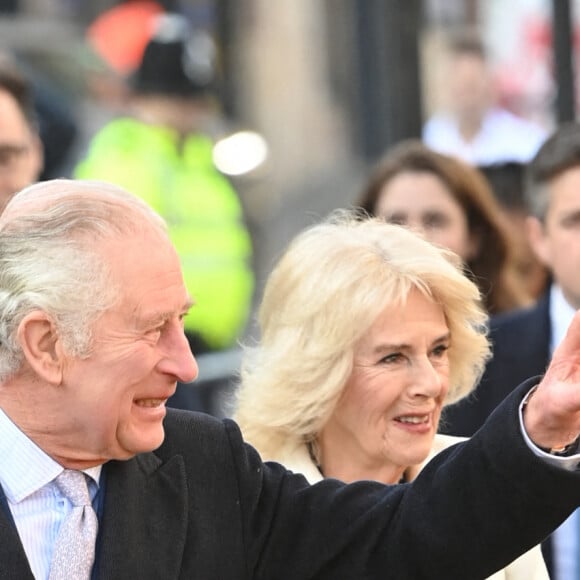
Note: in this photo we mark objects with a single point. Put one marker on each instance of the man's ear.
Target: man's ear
(41, 346)
(37, 155)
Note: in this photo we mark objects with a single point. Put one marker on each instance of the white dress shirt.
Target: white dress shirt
(566, 544)
(27, 477)
(503, 137)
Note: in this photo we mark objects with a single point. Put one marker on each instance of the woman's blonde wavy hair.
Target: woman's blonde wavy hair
(326, 291)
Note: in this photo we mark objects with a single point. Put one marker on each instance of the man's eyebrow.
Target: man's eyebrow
(13, 147)
(160, 317)
(570, 216)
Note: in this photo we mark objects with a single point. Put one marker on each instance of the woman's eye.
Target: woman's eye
(440, 350)
(435, 221)
(392, 358)
(396, 219)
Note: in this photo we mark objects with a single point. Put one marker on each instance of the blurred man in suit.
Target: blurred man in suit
(523, 341)
(21, 154)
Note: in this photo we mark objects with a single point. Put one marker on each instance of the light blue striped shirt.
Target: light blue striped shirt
(566, 545)
(27, 477)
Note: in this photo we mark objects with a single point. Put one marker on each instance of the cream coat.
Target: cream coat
(529, 566)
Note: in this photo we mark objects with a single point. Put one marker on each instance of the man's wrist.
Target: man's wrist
(565, 451)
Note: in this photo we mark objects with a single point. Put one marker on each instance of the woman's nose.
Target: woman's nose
(426, 381)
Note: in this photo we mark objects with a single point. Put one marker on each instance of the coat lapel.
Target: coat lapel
(144, 523)
(13, 559)
(540, 334)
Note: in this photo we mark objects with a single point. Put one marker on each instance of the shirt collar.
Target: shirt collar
(561, 314)
(25, 468)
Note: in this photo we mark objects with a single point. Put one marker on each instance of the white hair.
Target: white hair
(50, 258)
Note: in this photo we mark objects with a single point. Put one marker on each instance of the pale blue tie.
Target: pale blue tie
(74, 550)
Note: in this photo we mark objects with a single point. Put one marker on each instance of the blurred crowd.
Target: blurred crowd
(499, 191)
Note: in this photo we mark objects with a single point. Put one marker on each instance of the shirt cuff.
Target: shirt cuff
(569, 463)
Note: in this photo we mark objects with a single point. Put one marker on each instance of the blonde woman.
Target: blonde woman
(367, 331)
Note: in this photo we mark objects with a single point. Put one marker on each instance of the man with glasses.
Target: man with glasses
(21, 155)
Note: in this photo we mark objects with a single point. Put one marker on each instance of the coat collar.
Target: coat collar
(144, 524)
(440, 443)
(12, 553)
(298, 459)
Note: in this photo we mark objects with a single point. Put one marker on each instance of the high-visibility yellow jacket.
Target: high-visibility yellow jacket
(177, 177)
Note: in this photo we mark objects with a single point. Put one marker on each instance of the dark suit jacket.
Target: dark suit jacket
(521, 349)
(203, 506)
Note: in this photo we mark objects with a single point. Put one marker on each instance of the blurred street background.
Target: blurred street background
(328, 84)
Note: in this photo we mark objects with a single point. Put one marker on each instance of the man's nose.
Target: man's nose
(178, 360)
